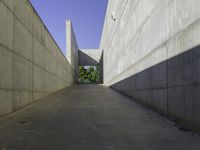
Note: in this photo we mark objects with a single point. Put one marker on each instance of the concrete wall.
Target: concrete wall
(89, 57)
(72, 47)
(31, 63)
(150, 54)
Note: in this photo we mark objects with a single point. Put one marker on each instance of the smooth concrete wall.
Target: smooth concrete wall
(89, 57)
(145, 45)
(72, 48)
(31, 63)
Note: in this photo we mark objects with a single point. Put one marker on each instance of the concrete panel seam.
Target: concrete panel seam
(21, 90)
(153, 51)
(139, 30)
(13, 62)
(47, 29)
(33, 31)
(31, 61)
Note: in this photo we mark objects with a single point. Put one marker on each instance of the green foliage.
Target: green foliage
(89, 74)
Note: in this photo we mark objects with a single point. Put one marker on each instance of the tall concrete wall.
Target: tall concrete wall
(151, 53)
(72, 47)
(31, 63)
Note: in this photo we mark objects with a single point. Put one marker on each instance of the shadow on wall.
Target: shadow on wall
(171, 88)
(32, 65)
(101, 68)
(85, 60)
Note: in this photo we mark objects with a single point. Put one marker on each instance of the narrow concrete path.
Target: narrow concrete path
(91, 117)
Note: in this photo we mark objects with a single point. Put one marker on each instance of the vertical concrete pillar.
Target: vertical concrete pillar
(72, 47)
(68, 40)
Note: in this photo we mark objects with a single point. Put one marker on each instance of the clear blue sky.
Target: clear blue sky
(87, 17)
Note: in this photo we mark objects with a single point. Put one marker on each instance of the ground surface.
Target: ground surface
(91, 117)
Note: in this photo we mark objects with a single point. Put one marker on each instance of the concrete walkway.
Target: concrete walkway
(91, 117)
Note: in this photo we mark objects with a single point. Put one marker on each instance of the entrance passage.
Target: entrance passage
(91, 117)
(89, 74)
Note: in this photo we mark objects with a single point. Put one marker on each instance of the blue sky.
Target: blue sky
(87, 17)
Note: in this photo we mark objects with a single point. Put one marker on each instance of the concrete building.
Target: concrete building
(31, 63)
(149, 51)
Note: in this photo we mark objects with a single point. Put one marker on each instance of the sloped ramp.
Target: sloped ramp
(91, 117)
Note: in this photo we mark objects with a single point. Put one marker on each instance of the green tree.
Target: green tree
(89, 74)
(82, 74)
